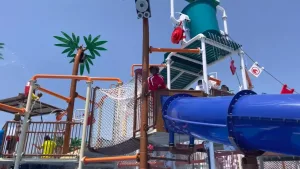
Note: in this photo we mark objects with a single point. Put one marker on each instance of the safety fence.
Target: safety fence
(138, 111)
(286, 164)
(43, 140)
(113, 112)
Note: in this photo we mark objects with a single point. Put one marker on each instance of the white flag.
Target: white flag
(255, 70)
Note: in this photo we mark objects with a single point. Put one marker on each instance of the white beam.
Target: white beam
(185, 71)
(189, 59)
(176, 77)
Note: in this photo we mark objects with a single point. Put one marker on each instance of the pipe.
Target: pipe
(53, 94)
(252, 123)
(145, 99)
(169, 71)
(73, 77)
(172, 12)
(24, 127)
(11, 108)
(106, 79)
(224, 17)
(243, 70)
(85, 121)
(179, 50)
(110, 159)
(51, 76)
(206, 87)
(81, 97)
(137, 65)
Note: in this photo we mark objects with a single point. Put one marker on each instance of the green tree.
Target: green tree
(1, 47)
(82, 58)
(71, 43)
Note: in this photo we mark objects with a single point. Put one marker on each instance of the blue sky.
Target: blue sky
(268, 31)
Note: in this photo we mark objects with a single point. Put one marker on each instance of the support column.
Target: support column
(169, 73)
(24, 129)
(145, 107)
(261, 162)
(85, 121)
(169, 87)
(243, 70)
(205, 85)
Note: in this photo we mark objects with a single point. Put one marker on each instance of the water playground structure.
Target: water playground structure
(125, 126)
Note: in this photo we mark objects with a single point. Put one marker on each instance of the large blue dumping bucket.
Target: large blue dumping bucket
(203, 17)
(248, 121)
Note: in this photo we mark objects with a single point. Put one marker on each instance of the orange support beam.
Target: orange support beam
(138, 65)
(216, 80)
(48, 76)
(81, 97)
(109, 159)
(53, 94)
(12, 109)
(73, 77)
(106, 79)
(196, 51)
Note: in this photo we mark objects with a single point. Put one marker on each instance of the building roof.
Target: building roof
(39, 108)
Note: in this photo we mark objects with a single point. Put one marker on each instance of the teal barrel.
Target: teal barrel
(203, 17)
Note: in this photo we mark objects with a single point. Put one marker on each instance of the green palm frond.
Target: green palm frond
(86, 64)
(94, 45)
(1, 47)
(69, 43)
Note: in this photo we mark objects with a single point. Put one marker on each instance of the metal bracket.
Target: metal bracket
(232, 136)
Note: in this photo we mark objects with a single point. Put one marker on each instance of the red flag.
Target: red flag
(232, 67)
(285, 90)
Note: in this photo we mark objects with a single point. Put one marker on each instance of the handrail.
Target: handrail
(87, 160)
(177, 50)
(54, 94)
(51, 76)
(81, 97)
(136, 65)
(106, 79)
(74, 77)
(12, 109)
(218, 82)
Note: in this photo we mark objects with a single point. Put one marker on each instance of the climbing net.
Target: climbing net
(113, 114)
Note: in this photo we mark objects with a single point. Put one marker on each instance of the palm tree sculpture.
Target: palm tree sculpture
(71, 43)
(1, 47)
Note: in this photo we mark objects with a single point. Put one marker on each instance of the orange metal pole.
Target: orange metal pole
(12, 109)
(54, 94)
(49, 76)
(81, 97)
(109, 159)
(138, 65)
(73, 77)
(216, 80)
(106, 79)
(196, 51)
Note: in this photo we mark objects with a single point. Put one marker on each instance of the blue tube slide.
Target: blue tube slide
(250, 122)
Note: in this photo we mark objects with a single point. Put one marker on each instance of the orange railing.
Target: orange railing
(11, 108)
(35, 138)
(195, 51)
(87, 160)
(44, 76)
